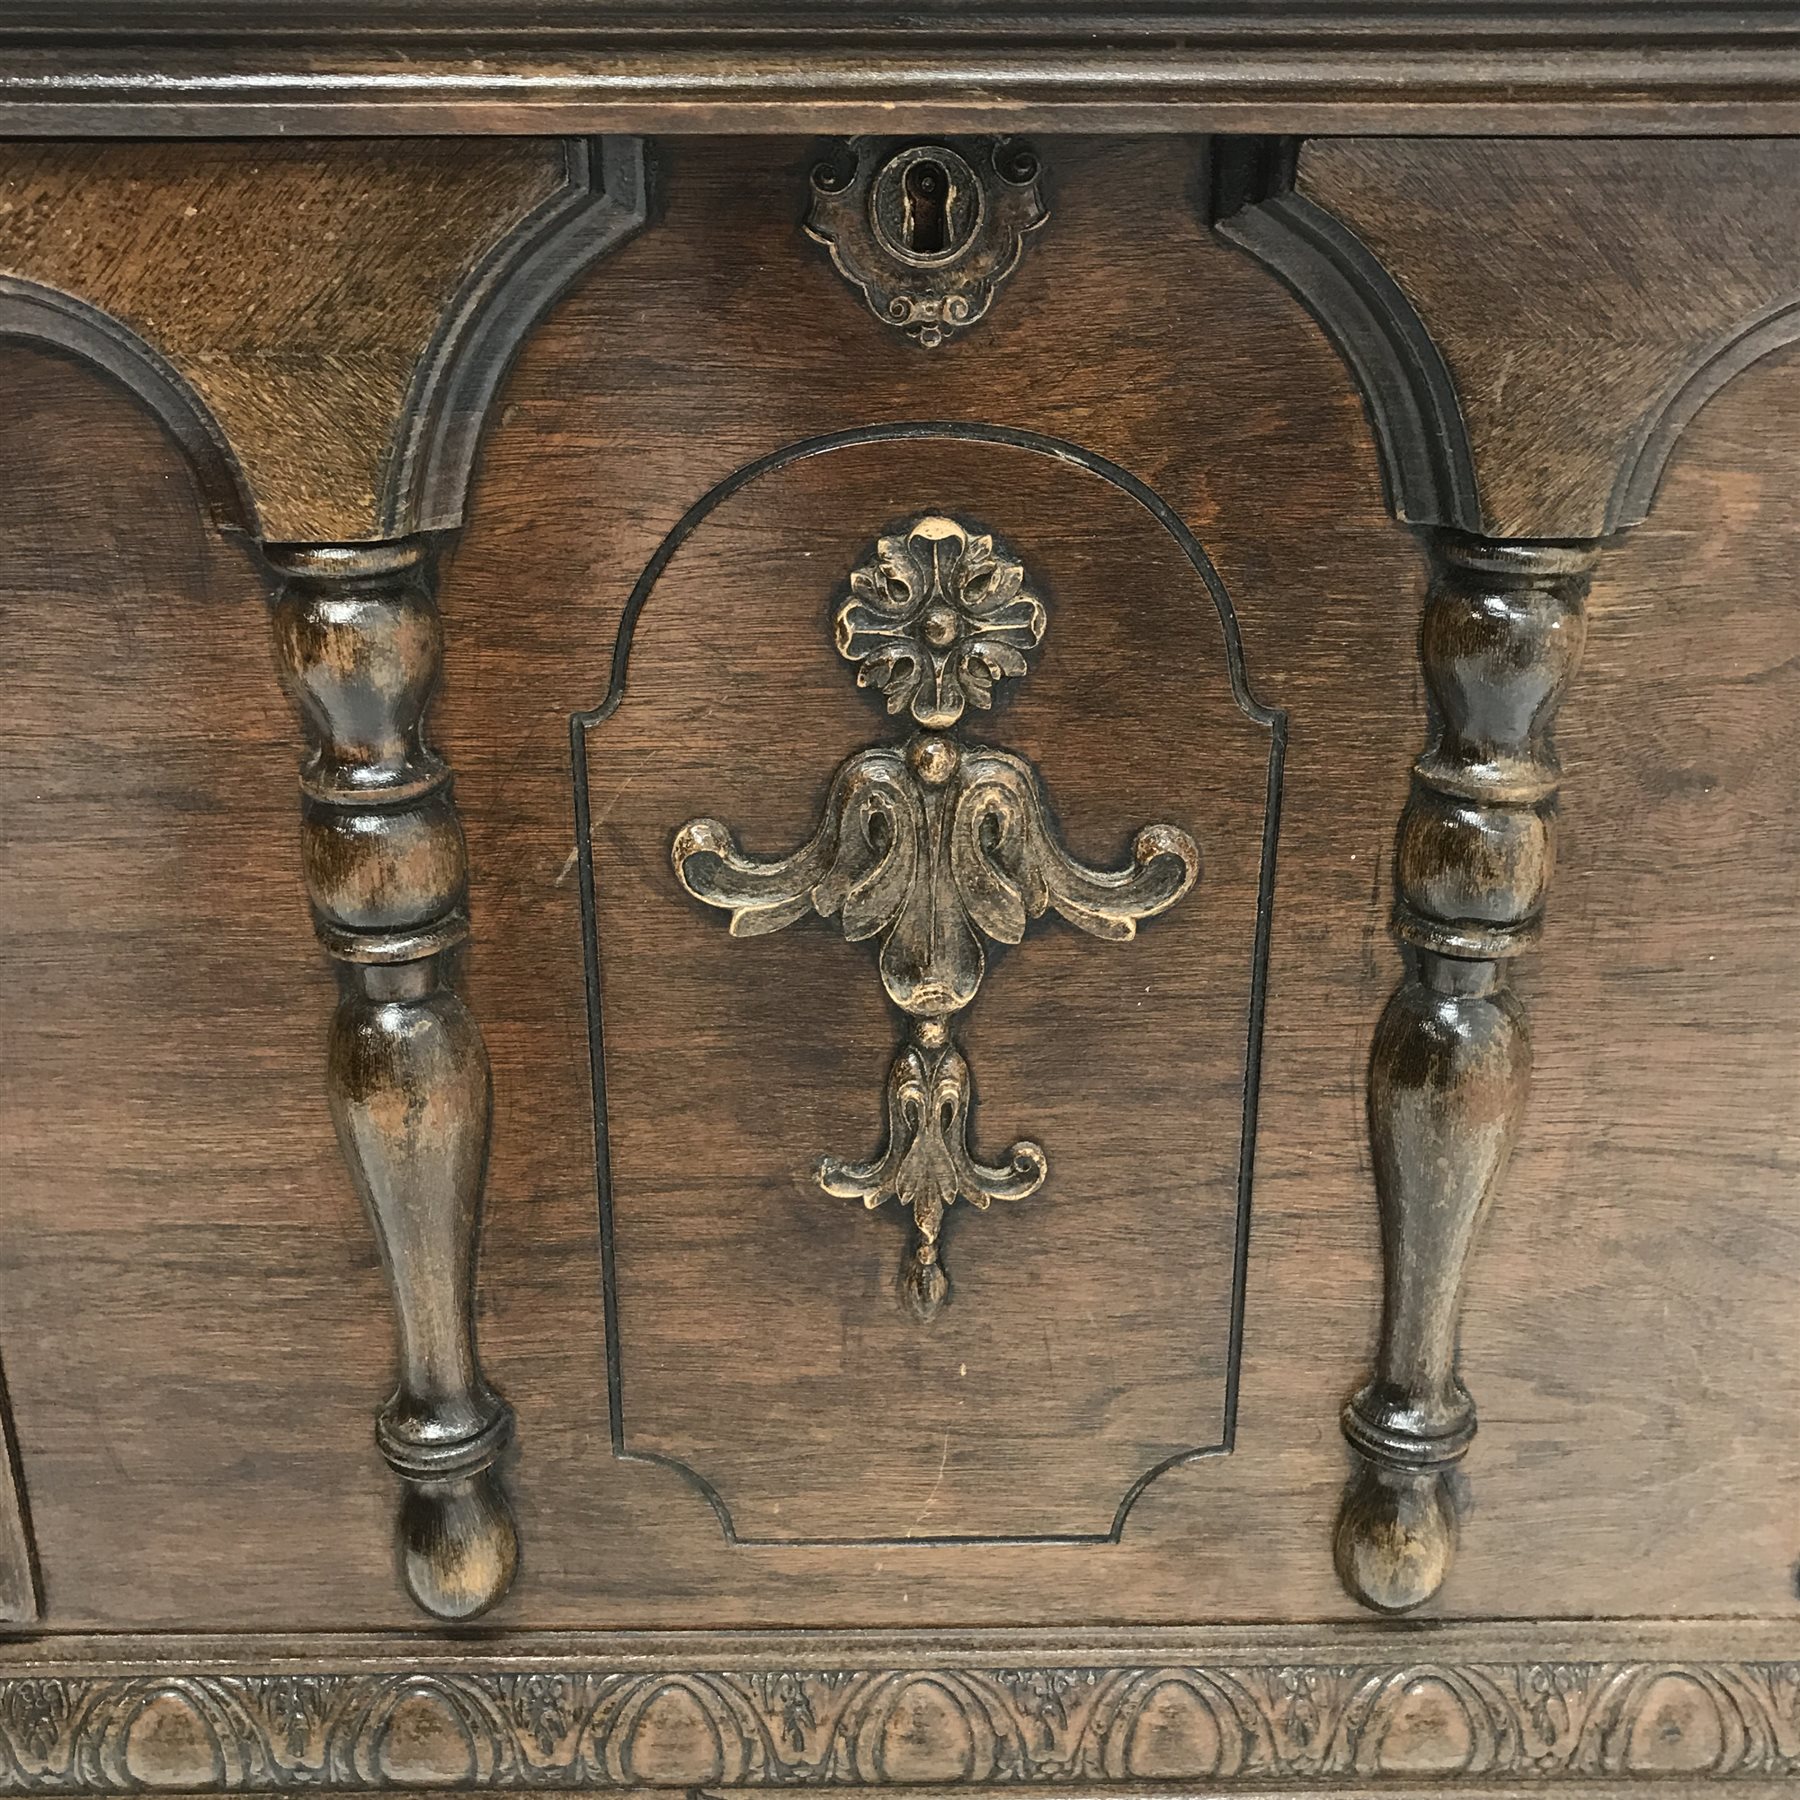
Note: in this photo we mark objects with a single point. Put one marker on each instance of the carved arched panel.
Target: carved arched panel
(1090, 1335)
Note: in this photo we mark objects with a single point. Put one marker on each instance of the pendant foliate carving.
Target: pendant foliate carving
(926, 848)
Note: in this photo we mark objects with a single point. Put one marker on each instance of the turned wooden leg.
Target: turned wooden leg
(1451, 1062)
(360, 646)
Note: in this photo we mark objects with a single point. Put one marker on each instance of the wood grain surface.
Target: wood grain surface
(1088, 1339)
(298, 290)
(1575, 290)
(191, 1313)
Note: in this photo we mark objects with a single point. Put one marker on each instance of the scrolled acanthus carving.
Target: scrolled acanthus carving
(928, 847)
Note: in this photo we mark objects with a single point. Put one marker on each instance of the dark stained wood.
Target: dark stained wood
(1621, 285)
(201, 1460)
(360, 650)
(194, 1319)
(1500, 642)
(137, 67)
(330, 379)
(21, 1601)
(323, 324)
(1357, 23)
(1630, 290)
(159, 1380)
(1031, 363)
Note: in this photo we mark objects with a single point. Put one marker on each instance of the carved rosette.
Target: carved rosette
(1451, 1062)
(926, 848)
(935, 619)
(359, 645)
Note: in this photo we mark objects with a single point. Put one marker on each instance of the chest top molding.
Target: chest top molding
(135, 68)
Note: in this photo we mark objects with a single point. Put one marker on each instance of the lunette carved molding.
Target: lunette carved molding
(928, 847)
(498, 1723)
(928, 232)
(359, 647)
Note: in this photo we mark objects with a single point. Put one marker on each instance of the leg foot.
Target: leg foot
(1396, 1536)
(458, 1544)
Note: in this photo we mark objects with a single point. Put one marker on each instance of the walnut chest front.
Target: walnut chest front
(1033, 835)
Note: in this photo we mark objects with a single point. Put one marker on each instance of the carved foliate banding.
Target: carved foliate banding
(360, 648)
(1451, 1061)
(1315, 1714)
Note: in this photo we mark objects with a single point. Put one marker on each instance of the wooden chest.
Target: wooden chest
(937, 666)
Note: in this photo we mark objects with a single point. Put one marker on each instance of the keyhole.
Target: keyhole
(925, 209)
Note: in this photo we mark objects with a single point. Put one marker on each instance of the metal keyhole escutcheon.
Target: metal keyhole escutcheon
(927, 231)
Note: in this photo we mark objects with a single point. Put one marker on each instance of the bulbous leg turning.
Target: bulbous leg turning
(407, 1077)
(1450, 1064)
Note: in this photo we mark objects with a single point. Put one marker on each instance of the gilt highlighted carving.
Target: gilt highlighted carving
(935, 619)
(927, 848)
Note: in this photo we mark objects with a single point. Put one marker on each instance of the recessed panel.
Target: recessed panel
(1073, 1104)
